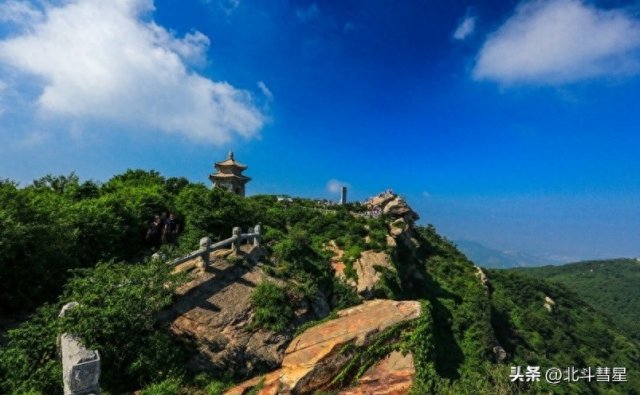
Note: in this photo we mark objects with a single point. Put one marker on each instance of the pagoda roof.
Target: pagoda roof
(231, 162)
(229, 176)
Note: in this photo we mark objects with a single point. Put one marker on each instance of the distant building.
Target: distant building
(343, 195)
(229, 175)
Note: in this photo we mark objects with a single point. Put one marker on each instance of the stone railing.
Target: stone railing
(254, 236)
(80, 366)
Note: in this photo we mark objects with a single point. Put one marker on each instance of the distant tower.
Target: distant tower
(343, 196)
(229, 175)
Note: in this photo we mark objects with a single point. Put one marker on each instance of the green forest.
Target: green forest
(65, 240)
(611, 286)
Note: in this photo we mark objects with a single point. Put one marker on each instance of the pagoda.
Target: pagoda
(229, 175)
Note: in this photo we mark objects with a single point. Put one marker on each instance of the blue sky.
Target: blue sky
(514, 124)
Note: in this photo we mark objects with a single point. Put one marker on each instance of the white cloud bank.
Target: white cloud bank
(558, 42)
(100, 60)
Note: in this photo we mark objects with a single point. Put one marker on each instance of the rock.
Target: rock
(365, 266)
(368, 276)
(398, 227)
(380, 200)
(549, 303)
(482, 276)
(499, 353)
(391, 242)
(80, 365)
(392, 376)
(398, 208)
(214, 310)
(319, 306)
(312, 359)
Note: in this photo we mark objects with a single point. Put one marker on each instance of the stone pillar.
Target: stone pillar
(256, 240)
(236, 232)
(205, 244)
(250, 239)
(80, 366)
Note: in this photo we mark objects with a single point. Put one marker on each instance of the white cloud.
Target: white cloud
(100, 60)
(560, 41)
(19, 12)
(335, 186)
(265, 90)
(465, 28)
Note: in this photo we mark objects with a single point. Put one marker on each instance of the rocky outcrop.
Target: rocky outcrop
(549, 303)
(499, 354)
(392, 376)
(482, 276)
(367, 268)
(313, 359)
(213, 311)
(394, 206)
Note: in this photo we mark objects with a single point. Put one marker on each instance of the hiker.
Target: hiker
(171, 229)
(163, 226)
(154, 233)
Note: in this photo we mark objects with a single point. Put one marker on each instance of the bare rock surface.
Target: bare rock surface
(392, 376)
(368, 275)
(367, 269)
(313, 359)
(213, 311)
(394, 206)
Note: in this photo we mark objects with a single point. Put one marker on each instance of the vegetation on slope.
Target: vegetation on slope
(122, 303)
(611, 286)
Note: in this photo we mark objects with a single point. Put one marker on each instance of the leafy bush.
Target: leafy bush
(169, 386)
(119, 307)
(271, 307)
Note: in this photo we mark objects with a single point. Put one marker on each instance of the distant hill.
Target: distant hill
(488, 257)
(612, 286)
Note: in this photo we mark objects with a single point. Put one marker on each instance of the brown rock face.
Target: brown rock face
(391, 376)
(365, 266)
(368, 276)
(213, 311)
(314, 358)
(394, 206)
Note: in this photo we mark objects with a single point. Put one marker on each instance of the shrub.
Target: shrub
(271, 306)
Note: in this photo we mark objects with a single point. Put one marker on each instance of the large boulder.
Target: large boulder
(313, 359)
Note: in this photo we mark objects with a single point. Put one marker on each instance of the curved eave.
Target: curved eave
(231, 163)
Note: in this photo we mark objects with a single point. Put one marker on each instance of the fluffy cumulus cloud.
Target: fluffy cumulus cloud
(105, 61)
(558, 42)
(465, 28)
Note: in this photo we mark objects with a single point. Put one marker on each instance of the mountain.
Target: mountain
(341, 299)
(611, 286)
(491, 258)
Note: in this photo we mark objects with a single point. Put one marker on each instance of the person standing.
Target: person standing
(171, 229)
(154, 233)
